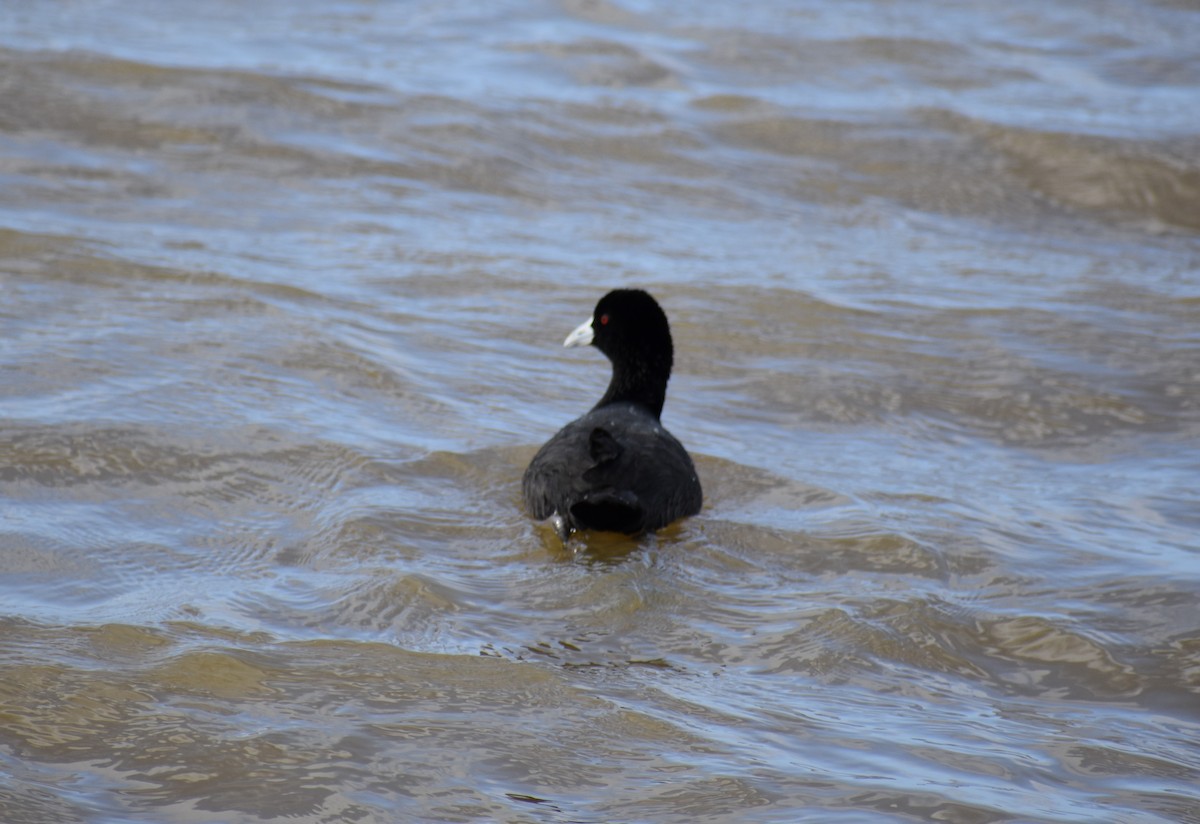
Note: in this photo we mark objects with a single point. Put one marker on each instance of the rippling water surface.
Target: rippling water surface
(283, 291)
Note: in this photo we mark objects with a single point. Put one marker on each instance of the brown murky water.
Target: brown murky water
(283, 296)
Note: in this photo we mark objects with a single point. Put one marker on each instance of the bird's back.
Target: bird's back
(615, 469)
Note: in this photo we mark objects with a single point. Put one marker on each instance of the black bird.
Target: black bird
(617, 469)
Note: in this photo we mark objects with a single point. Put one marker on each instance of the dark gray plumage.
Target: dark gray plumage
(617, 469)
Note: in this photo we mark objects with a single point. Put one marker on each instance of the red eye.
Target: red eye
(604, 320)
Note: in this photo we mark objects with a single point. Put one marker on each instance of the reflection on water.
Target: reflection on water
(282, 303)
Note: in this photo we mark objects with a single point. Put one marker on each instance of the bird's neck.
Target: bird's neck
(641, 385)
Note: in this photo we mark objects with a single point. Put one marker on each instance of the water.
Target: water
(283, 297)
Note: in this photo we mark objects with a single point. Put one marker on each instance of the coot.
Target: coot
(617, 469)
